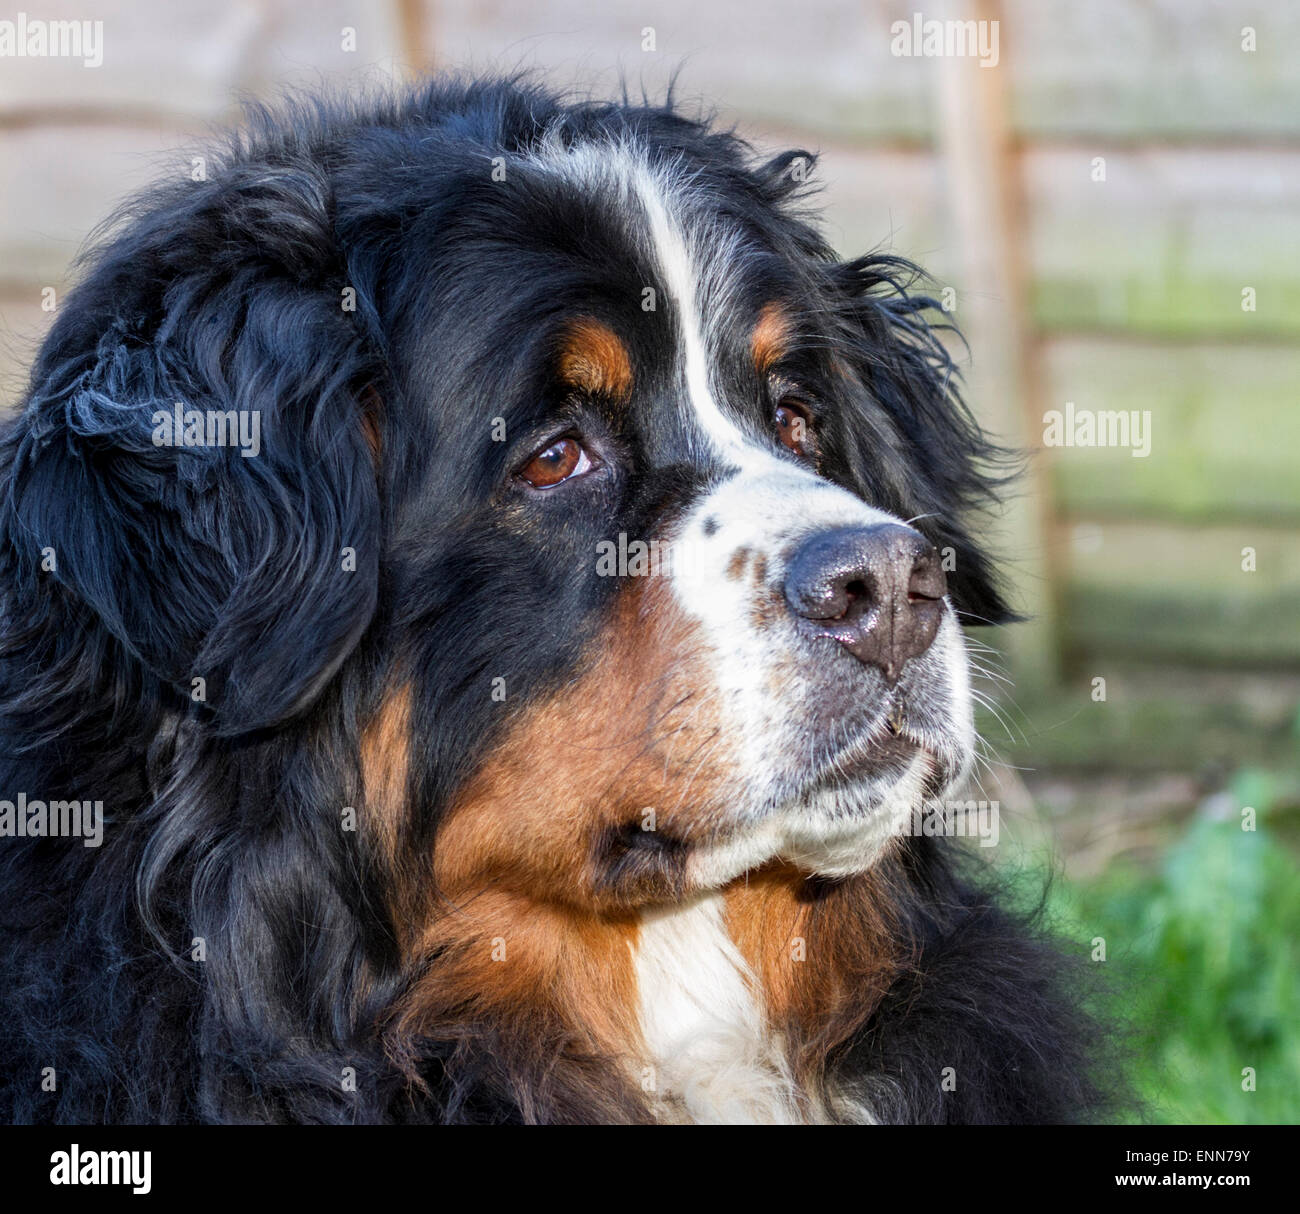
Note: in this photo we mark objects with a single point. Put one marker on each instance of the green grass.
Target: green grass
(1208, 952)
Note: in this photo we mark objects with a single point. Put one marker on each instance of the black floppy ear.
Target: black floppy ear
(240, 548)
(926, 459)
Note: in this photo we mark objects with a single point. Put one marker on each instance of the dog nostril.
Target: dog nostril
(927, 581)
(855, 592)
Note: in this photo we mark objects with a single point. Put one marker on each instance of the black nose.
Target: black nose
(876, 590)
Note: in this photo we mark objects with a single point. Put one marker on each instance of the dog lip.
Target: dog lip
(886, 755)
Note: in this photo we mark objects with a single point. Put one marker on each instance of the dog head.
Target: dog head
(626, 530)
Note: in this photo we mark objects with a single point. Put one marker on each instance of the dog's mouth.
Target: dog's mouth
(879, 759)
(879, 755)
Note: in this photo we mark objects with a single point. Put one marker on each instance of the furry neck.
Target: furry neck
(722, 1008)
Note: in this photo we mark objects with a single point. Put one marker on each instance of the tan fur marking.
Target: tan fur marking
(635, 730)
(771, 336)
(385, 767)
(532, 966)
(522, 863)
(824, 954)
(594, 360)
(766, 606)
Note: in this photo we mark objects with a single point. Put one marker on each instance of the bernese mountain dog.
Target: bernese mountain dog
(494, 582)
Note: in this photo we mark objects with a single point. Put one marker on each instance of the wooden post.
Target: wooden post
(415, 19)
(988, 219)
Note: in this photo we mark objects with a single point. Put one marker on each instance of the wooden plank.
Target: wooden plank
(1115, 70)
(328, 44)
(1160, 591)
(181, 60)
(1111, 69)
(1154, 717)
(826, 67)
(189, 64)
(886, 197)
(1167, 242)
(1225, 429)
(58, 182)
(22, 325)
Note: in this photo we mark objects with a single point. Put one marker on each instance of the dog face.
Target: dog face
(678, 447)
(652, 514)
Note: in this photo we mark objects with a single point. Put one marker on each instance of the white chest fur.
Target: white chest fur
(712, 1060)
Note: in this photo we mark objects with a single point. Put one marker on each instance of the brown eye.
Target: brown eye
(564, 458)
(794, 426)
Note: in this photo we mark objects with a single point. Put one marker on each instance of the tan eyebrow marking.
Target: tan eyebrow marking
(593, 359)
(771, 336)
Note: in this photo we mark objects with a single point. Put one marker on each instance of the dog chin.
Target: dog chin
(838, 830)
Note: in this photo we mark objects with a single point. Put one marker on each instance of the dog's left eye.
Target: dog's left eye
(794, 426)
(556, 463)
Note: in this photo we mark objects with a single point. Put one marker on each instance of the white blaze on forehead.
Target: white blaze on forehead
(682, 280)
(691, 261)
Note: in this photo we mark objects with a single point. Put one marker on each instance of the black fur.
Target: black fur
(176, 563)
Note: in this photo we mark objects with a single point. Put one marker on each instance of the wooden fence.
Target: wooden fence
(1116, 203)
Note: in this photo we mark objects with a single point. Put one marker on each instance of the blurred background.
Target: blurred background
(1110, 196)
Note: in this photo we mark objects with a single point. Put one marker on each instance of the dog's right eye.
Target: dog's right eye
(794, 426)
(555, 463)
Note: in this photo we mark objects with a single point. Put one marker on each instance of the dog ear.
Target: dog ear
(927, 460)
(241, 551)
